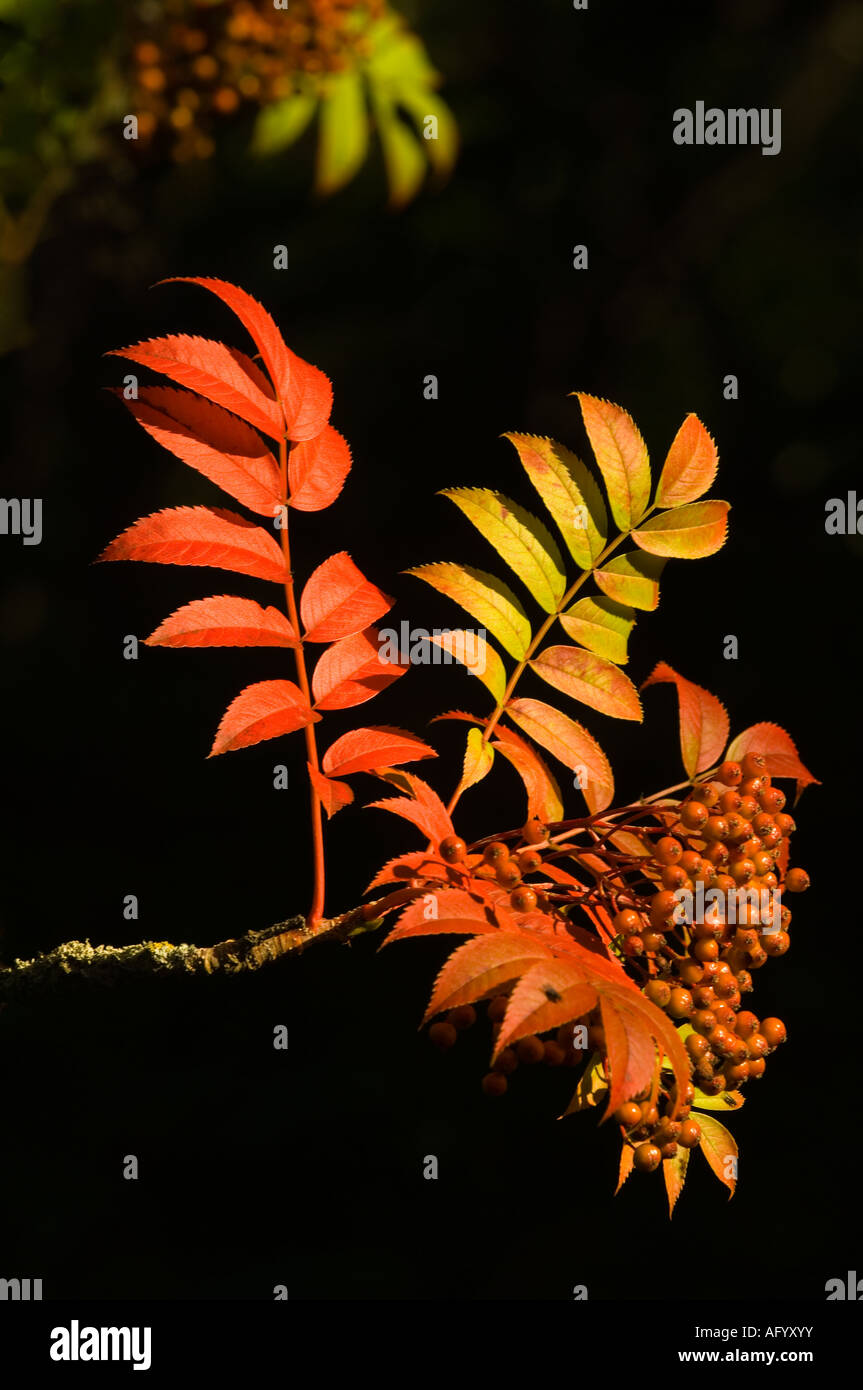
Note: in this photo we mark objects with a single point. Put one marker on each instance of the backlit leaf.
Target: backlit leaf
(720, 1149)
(621, 456)
(403, 155)
(306, 395)
(422, 805)
(632, 579)
(571, 493)
(726, 1100)
(482, 966)
(519, 538)
(686, 533)
(543, 793)
(225, 621)
(221, 374)
(777, 747)
(477, 655)
(690, 468)
(365, 750)
(487, 599)
(338, 600)
(478, 759)
(590, 679)
(351, 671)
(571, 744)
(703, 720)
(317, 469)
(627, 1157)
(674, 1172)
(200, 536)
(591, 1088)
(630, 1051)
(344, 131)
(280, 123)
(261, 711)
(601, 625)
(219, 445)
(549, 994)
(334, 795)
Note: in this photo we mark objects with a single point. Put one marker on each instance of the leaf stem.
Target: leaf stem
(316, 911)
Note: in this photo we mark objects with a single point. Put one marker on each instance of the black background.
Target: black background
(305, 1168)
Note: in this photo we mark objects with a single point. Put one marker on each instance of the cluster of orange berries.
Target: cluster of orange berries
(193, 67)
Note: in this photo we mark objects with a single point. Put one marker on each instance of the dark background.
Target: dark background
(305, 1167)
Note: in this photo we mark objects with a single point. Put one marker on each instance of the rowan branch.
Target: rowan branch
(108, 964)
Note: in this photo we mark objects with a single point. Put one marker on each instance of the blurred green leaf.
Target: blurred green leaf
(344, 132)
(282, 123)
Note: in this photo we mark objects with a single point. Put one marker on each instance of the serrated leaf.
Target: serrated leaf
(224, 621)
(220, 374)
(686, 533)
(334, 795)
(208, 536)
(547, 995)
(621, 456)
(317, 469)
(365, 750)
(264, 710)
(690, 468)
(720, 1149)
(543, 793)
(445, 912)
(423, 807)
(571, 493)
(778, 748)
(601, 625)
(632, 579)
(338, 600)
(478, 759)
(674, 1172)
(214, 442)
(519, 538)
(591, 1087)
(352, 671)
(570, 744)
(280, 123)
(703, 719)
(486, 598)
(477, 656)
(627, 1158)
(590, 679)
(483, 965)
(726, 1100)
(305, 393)
(343, 138)
(630, 1051)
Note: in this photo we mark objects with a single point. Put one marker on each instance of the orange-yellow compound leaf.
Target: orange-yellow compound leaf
(703, 720)
(590, 679)
(621, 456)
(481, 966)
(543, 793)
(365, 750)
(225, 621)
(261, 711)
(338, 601)
(720, 1149)
(674, 1172)
(333, 794)
(777, 747)
(569, 743)
(632, 579)
(200, 536)
(686, 533)
(478, 760)
(418, 864)
(317, 469)
(221, 374)
(212, 441)
(352, 671)
(690, 468)
(304, 391)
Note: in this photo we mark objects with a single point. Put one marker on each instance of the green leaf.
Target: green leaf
(477, 656)
(344, 132)
(420, 103)
(403, 156)
(632, 579)
(282, 123)
(571, 493)
(519, 538)
(590, 679)
(601, 625)
(686, 533)
(486, 598)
